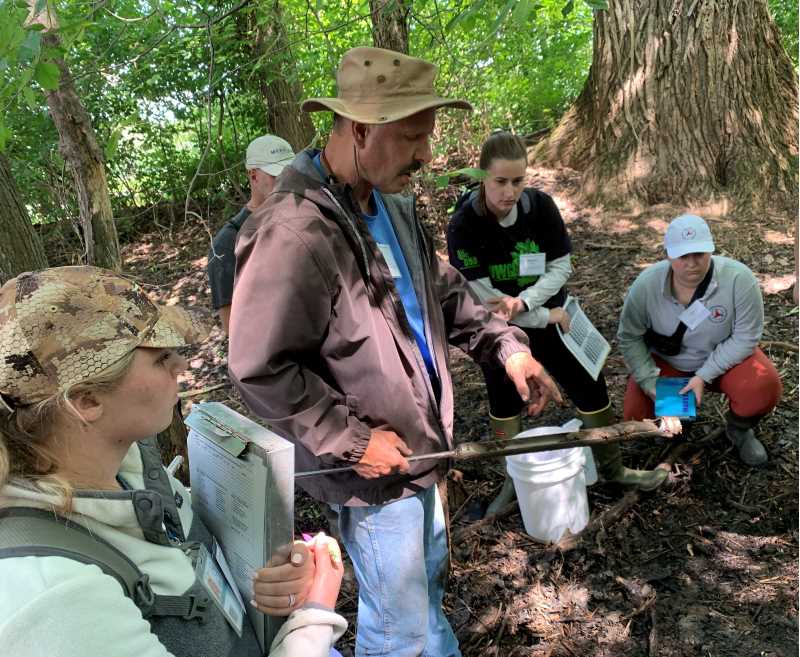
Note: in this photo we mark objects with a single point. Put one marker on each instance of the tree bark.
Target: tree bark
(686, 100)
(172, 443)
(84, 157)
(277, 78)
(21, 247)
(390, 24)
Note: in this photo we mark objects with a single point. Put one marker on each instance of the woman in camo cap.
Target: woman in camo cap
(88, 373)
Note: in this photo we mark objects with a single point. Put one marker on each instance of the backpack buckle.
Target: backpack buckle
(198, 608)
(143, 596)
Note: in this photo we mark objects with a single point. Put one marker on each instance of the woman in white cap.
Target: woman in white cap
(98, 543)
(699, 316)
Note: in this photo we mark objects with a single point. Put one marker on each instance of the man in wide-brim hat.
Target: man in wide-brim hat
(341, 318)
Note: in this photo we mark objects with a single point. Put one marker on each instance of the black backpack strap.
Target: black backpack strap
(30, 532)
(699, 291)
(156, 480)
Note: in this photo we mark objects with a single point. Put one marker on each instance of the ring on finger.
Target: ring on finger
(292, 600)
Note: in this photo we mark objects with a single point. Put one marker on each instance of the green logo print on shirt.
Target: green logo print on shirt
(508, 271)
(469, 261)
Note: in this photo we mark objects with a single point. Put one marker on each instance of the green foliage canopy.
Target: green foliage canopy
(175, 87)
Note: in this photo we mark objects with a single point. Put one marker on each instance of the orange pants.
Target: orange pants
(753, 388)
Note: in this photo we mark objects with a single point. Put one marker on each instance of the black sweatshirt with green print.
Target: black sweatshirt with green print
(479, 247)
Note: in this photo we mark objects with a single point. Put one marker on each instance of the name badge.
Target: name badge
(225, 596)
(388, 256)
(532, 264)
(694, 315)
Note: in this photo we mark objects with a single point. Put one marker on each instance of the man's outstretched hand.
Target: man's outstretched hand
(385, 452)
(533, 384)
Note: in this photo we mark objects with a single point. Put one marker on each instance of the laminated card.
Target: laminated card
(242, 477)
(584, 341)
(669, 401)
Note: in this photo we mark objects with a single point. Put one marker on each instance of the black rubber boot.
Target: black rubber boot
(503, 429)
(740, 432)
(608, 458)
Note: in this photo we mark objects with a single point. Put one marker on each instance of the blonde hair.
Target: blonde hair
(26, 435)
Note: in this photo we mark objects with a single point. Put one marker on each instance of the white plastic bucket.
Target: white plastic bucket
(551, 490)
(589, 467)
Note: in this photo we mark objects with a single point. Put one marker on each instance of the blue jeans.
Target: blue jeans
(400, 558)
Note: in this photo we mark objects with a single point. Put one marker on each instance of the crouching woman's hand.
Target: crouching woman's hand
(328, 572)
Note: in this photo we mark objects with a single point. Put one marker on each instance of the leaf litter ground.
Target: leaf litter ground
(705, 566)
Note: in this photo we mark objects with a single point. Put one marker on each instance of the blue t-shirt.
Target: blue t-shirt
(382, 231)
(380, 226)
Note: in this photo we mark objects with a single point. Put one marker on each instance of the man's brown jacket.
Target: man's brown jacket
(320, 346)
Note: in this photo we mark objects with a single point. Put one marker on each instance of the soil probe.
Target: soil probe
(614, 433)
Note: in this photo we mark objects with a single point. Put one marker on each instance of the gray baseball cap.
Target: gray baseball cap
(269, 153)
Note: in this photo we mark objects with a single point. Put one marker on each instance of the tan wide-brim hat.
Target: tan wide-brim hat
(380, 86)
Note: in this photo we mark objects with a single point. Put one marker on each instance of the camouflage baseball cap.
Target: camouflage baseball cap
(63, 325)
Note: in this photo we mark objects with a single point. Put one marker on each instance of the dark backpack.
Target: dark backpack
(25, 532)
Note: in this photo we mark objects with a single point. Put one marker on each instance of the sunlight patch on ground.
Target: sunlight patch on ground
(771, 284)
(774, 237)
(712, 210)
(622, 226)
(658, 225)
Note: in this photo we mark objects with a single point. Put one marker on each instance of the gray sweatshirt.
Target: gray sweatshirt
(723, 339)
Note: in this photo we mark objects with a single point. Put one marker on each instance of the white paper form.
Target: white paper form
(584, 341)
(229, 495)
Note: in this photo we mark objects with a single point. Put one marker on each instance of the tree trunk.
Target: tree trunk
(172, 443)
(390, 24)
(21, 247)
(686, 100)
(278, 80)
(79, 148)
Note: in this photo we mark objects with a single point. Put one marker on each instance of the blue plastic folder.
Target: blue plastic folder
(671, 404)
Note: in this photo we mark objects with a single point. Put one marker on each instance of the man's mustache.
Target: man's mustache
(411, 168)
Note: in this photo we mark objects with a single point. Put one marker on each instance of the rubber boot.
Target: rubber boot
(740, 432)
(503, 429)
(608, 458)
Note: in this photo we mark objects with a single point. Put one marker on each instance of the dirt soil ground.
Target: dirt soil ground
(706, 566)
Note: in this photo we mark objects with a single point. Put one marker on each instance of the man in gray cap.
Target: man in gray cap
(341, 319)
(266, 157)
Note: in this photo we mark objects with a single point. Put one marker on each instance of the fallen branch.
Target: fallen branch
(616, 511)
(466, 532)
(618, 247)
(202, 391)
(774, 344)
(652, 637)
